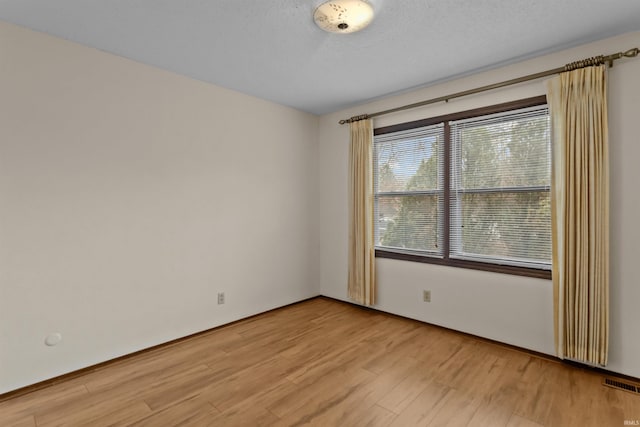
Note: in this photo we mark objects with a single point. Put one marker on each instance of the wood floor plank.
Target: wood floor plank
(242, 385)
(357, 403)
(330, 364)
(491, 414)
(264, 397)
(95, 412)
(48, 399)
(375, 416)
(424, 408)
(327, 363)
(254, 416)
(517, 421)
(406, 390)
(630, 406)
(148, 373)
(458, 410)
(175, 388)
(193, 411)
(19, 420)
(310, 400)
(580, 399)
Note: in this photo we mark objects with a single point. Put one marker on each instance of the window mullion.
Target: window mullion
(445, 202)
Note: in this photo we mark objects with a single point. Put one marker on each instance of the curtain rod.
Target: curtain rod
(596, 60)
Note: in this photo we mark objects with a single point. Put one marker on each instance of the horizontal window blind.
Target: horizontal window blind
(409, 190)
(499, 193)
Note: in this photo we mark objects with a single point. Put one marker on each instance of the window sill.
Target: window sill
(494, 268)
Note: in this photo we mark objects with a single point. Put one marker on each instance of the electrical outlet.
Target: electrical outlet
(220, 297)
(426, 296)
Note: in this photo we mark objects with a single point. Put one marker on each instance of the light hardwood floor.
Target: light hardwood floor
(326, 363)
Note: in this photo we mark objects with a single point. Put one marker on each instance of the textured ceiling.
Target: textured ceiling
(272, 49)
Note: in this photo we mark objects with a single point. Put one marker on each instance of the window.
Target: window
(409, 189)
(468, 190)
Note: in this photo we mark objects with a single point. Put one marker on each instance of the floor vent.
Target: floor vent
(620, 385)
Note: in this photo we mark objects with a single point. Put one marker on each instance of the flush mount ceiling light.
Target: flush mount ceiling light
(343, 16)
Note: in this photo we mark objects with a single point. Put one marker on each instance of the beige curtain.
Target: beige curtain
(580, 213)
(362, 278)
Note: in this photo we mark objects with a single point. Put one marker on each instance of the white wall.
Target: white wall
(510, 309)
(130, 196)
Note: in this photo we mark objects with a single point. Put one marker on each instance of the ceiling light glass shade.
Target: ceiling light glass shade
(343, 16)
